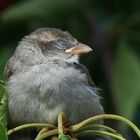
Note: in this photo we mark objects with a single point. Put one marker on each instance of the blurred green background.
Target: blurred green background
(111, 28)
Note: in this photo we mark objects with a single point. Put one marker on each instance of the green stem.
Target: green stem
(43, 130)
(98, 133)
(61, 119)
(29, 126)
(106, 128)
(100, 126)
(105, 116)
(48, 134)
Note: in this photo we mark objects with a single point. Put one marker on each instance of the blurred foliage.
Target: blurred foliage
(3, 112)
(3, 132)
(127, 71)
(3, 106)
(112, 28)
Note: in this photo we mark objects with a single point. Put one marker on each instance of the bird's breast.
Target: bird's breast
(52, 90)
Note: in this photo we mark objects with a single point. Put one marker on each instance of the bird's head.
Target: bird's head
(52, 43)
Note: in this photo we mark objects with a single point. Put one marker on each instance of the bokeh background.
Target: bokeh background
(111, 28)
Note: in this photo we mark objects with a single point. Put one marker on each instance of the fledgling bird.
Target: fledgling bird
(45, 77)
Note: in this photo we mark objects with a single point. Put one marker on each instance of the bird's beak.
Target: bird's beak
(79, 49)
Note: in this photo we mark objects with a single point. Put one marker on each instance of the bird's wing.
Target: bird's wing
(8, 70)
(85, 71)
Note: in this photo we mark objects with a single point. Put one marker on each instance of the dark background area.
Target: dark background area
(111, 28)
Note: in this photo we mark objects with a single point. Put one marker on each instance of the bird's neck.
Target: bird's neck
(72, 59)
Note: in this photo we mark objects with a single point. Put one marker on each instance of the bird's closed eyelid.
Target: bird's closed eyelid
(60, 44)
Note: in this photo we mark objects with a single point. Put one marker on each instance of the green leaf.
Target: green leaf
(64, 137)
(3, 133)
(127, 79)
(3, 106)
(39, 9)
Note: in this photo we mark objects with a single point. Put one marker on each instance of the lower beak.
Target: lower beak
(79, 49)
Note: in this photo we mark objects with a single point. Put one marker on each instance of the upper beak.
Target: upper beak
(79, 49)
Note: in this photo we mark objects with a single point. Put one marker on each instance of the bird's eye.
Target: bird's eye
(61, 44)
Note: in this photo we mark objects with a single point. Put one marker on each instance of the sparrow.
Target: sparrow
(45, 77)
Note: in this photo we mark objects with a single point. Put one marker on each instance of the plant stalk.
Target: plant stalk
(29, 126)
